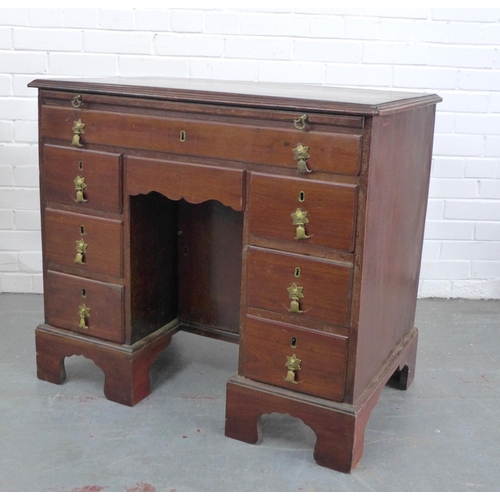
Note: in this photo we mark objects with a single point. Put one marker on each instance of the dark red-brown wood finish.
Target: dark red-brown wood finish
(286, 218)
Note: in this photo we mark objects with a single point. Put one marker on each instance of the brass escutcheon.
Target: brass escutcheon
(295, 294)
(81, 250)
(78, 130)
(80, 187)
(293, 365)
(83, 314)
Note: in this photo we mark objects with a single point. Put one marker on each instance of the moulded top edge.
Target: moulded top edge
(313, 98)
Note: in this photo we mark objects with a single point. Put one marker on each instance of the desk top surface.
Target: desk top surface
(313, 98)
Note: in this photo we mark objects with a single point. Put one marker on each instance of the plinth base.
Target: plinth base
(126, 368)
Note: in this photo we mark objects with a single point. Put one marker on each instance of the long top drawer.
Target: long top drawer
(267, 143)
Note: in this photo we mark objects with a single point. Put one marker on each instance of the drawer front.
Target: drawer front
(83, 242)
(193, 183)
(262, 143)
(85, 306)
(321, 358)
(298, 286)
(82, 178)
(308, 212)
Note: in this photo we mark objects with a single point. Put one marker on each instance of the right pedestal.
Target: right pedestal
(339, 427)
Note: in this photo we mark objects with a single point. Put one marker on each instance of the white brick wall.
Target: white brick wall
(453, 52)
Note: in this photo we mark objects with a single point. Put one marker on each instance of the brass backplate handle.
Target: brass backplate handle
(299, 218)
(295, 294)
(78, 130)
(80, 187)
(81, 250)
(83, 314)
(301, 155)
(293, 365)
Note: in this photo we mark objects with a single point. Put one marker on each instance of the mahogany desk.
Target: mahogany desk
(288, 218)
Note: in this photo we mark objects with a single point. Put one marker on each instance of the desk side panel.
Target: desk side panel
(398, 184)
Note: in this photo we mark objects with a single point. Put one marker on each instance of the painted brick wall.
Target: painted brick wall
(453, 52)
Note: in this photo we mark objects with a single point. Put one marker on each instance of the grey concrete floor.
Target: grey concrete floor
(443, 434)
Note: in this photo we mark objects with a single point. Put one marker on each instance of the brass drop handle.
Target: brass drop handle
(293, 365)
(76, 102)
(301, 155)
(81, 250)
(78, 130)
(299, 218)
(80, 187)
(83, 314)
(295, 294)
(301, 122)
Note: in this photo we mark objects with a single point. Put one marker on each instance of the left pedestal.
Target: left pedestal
(126, 368)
